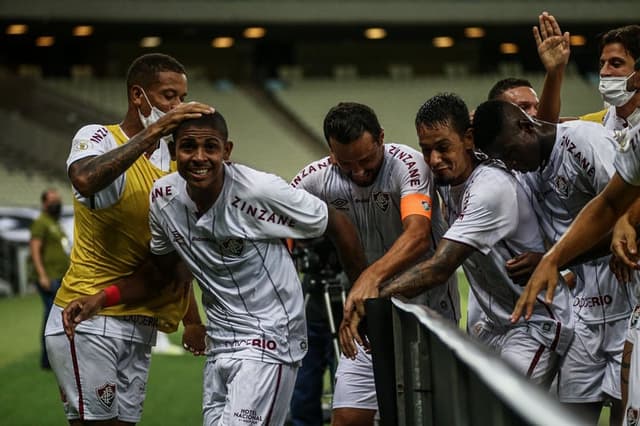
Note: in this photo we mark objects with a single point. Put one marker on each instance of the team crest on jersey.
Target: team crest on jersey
(232, 246)
(562, 186)
(635, 316)
(382, 200)
(340, 204)
(106, 394)
(632, 416)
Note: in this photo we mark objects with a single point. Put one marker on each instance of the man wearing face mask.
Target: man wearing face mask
(619, 82)
(102, 372)
(49, 247)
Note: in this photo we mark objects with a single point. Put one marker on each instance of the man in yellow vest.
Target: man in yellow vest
(102, 373)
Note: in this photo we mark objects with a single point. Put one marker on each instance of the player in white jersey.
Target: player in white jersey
(487, 228)
(228, 222)
(564, 166)
(619, 56)
(388, 192)
(102, 374)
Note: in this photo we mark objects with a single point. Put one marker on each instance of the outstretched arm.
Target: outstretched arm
(587, 230)
(92, 174)
(554, 51)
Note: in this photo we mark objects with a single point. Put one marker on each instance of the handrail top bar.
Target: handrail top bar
(532, 403)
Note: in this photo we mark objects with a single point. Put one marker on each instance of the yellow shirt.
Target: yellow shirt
(112, 242)
(597, 117)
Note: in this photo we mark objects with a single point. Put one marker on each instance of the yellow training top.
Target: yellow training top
(112, 242)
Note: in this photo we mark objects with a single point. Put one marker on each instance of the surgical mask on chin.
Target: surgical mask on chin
(614, 90)
(155, 115)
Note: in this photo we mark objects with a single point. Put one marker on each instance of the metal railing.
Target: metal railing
(428, 372)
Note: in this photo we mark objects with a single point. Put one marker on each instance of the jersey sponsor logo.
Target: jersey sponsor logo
(262, 214)
(408, 160)
(340, 204)
(106, 394)
(310, 170)
(632, 416)
(161, 191)
(561, 185)
(578, 156)
(635, 316)
(248, 416)
(258, 343)
(382, 200)
(232, 246)
(99, 135)
(592, 302)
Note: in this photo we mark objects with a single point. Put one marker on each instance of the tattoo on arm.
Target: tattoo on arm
(100, 171)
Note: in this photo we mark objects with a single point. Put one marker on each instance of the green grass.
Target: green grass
(29, 396)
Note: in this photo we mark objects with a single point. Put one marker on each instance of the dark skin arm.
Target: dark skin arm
(590, 226)
(92, 174)
(145, 283)
(425, 275)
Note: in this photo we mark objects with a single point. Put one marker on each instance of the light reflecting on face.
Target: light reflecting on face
(360, 159)
(200, 154)
(447, 153)
(615, 61)
(523, 96)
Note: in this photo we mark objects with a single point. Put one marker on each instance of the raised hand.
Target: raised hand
(553, 45)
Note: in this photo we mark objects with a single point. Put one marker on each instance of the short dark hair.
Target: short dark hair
(347, 121)
(628, 36)
(444, 109)
(144, 69)
(214, 121)
(507, 84)
(489, 122)
(45, 194)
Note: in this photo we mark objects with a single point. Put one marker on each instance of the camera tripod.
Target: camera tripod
(334, 297)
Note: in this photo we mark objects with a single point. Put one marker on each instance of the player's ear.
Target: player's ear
(228, 147)
(381, 139)
(136, 94)
(467, 139)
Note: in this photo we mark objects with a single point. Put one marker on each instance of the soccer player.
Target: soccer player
(487, 228)
(102, 372)
(228, 222)
(619, 52)
(388, 192)
(564, 166)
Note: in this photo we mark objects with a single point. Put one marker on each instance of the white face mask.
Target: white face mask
(155, 115)
(614, 90)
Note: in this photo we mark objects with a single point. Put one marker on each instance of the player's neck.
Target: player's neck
(205, 198)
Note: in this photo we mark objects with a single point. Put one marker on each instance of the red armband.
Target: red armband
(112, 296)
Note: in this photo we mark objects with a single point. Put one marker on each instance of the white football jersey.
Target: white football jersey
(95, 139)
(580, 166)
(500, 224)
(251, 292)
(627, 161)
(376, 212)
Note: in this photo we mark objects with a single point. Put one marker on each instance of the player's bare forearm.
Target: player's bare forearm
(410, 246)
(430, 273)
(344, 237)
(92, 174)
(594, 221)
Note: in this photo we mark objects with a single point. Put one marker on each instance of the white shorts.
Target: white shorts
(246, 392)
(100, 378)
(519, 349)
(355, 386)
(590, 370)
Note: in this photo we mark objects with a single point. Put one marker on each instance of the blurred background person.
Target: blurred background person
(49, 249)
